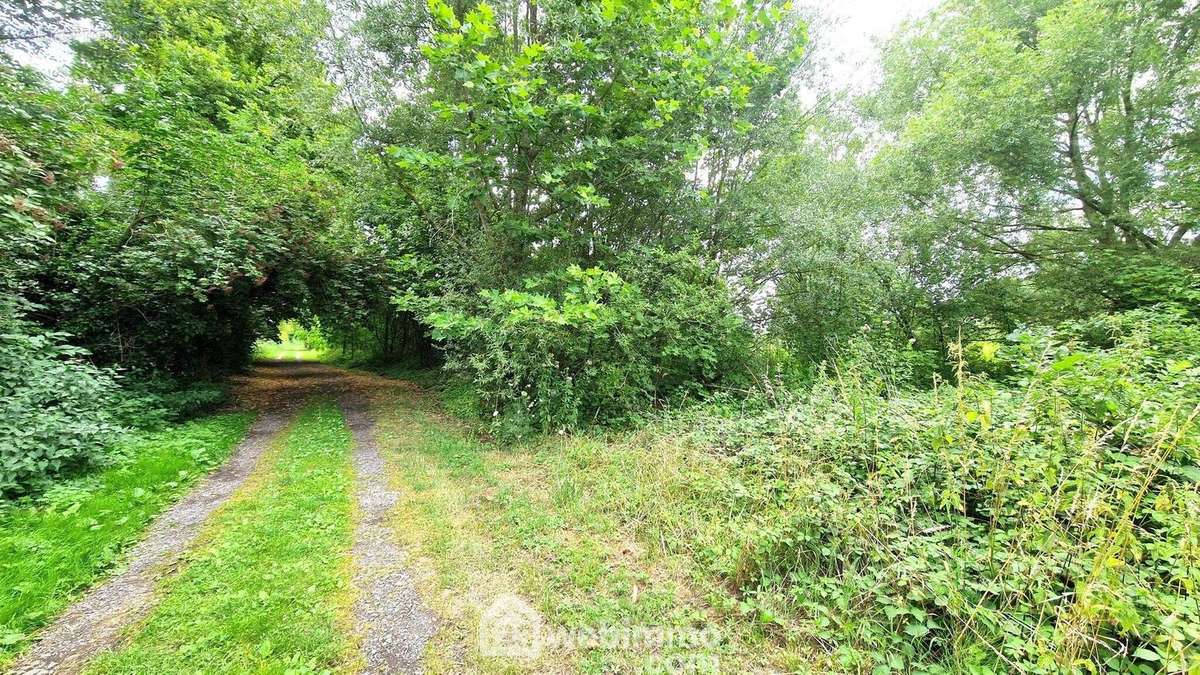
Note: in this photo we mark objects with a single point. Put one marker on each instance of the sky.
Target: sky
(855, 25)
(52, 60)
(848, 39)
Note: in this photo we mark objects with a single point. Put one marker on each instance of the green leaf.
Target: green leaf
(1067, 362)
(8, 639)
(1146, 654)
(988, 350)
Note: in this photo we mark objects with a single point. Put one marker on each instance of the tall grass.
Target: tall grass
(1041, 512)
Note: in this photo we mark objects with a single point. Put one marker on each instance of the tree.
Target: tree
(198, 219)
(566, 133)
(1038, 130)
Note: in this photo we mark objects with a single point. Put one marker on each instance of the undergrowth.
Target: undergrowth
(1038, 513)
(61, 415)
(1041, 519)
(57, 544)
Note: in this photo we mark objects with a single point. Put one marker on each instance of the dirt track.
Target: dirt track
(392, 624)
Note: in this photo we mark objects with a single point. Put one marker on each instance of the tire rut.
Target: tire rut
(96, 622)
(389, 616)
(390, 619)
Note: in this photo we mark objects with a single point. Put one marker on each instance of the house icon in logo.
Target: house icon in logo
(510, 628)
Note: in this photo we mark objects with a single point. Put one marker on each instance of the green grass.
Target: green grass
(555, 523)
(286, 351)
(267, 589)
(456, 393)
(54, 547)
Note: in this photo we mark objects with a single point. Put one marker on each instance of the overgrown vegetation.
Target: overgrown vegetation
(587, 345)
(1040, 517)
(60, 414)
(922, 357)
(56, 408)
(1043, 516)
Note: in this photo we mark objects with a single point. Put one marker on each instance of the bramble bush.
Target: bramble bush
(1041, 520)
(585, 346)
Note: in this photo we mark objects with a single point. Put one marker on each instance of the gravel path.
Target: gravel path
(390, 618)
(95, 623)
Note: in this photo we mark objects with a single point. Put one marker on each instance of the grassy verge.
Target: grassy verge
(557, 526)
(266, 589)
(456, 394)
(54, 547)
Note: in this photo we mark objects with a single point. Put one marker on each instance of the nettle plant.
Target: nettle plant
(1040, 520)
(55, 407)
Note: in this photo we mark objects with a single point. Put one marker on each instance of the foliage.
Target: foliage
(541, 136)
(1118, 281)
(831, 277)
(168, 201)
(149, 402)
(563, 133)
(582, 346)
(60, 412)
(309, 337)
(1040, 522)
(1033, 130)
(910, 463)
(53, 546)
(38, 176)
(1019, 164)
(55, 407)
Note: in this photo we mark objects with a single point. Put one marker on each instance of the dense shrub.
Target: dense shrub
(152, 400)
(583, 346)
(1043, 522)
(58, 411)
(54, 406)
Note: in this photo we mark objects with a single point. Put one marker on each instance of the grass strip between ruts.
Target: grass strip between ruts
(267, 588)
